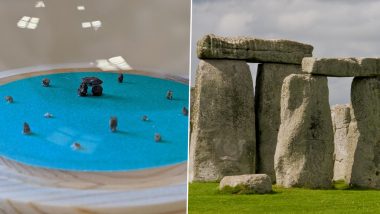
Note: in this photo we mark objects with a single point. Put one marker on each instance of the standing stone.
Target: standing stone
(364, 132)
(268, 108)
(343, 160)
(305, 147)
(223, 130)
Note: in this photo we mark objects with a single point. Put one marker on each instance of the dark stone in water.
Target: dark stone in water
(169, 95)
(91, 81)
(97, 90)
(82, 90)
(185, 111)
(157, 137)
(26, 129)
(46, 82)
(113, 124)
(120, 78)
(9, 99)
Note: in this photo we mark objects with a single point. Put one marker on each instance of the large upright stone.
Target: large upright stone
(342, 67)
(305, 147)
(364, 132)
(252, 49)
(268, 108)
(342, 149)
(223, 133)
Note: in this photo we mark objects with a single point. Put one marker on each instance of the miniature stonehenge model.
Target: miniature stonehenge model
(285, 129)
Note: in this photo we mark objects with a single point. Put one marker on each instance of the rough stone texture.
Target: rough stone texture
(343, 160)
(364, 132)
(259, 183)
(268, 108)
(305, 147)
(252, 49)
(342, 67)
(223, 133)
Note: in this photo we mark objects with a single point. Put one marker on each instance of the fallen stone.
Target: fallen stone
(253, 183)
(305, 146)
(342, 67)
(343, 160)
(252, 49)
(268, 108)
(223, 140)
(364, 132)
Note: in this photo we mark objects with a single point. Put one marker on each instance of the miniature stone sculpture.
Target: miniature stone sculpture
(185, 111)
(144, 118)
(113, 124)
(120, 78)
(48, 115)
(9, 99)
(94, 82)
(157, 137)
(169, 95)
(46, 82)
(26, 130)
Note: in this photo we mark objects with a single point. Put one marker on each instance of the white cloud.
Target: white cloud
(235, 22)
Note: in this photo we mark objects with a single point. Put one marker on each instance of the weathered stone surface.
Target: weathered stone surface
(342, 67)
(258, 183)
(343, 160)
(364, 132)
(223, 132)
(252, 49)
(305, 147)
(268, 108)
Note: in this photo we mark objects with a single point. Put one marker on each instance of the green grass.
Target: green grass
(206, 198)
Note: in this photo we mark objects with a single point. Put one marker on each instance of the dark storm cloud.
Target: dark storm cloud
(335, 28)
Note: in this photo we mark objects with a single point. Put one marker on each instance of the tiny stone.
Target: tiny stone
(169, 95)
(144, 118)
(157, 137)
(26, 129)
(120, 78)
(113, 124)
(185, 111)
(9, 99)
(46, 82)
(76, 146)
(48, 115)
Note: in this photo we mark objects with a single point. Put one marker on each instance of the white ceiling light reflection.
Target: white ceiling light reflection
(94, 24)
(28, 22)
(39, 4)
(80, 8)
(114, 63)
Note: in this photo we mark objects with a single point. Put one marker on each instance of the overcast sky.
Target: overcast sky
(335, 28)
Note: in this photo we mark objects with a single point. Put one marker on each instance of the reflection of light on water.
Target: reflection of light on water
(39, 4)
(28, 22)
(66, 137)
(94, 24)
(81, 7)
(114, 63)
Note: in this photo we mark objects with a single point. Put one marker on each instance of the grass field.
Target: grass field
(205, 198)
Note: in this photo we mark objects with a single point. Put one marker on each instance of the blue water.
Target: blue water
(86, 120)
